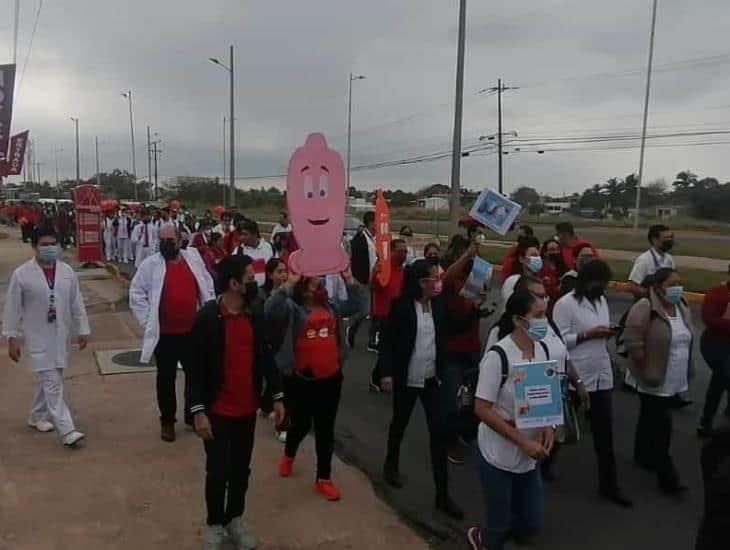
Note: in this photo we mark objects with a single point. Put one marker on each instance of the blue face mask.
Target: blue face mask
(534, 264)
(48, 253)
(673, 294)
(537, 329)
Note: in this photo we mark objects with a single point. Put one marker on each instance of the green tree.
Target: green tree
(525, 196)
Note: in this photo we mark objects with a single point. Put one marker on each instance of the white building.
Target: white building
(361, 205)
(557, 207)
(434, 203)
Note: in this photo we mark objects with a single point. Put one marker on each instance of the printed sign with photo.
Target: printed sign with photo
(538, 399)
(495, 211)
(474, 289)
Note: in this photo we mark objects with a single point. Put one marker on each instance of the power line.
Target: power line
(30, 46)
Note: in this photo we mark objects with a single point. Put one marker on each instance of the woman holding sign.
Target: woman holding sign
(513, 492)
(311, 355)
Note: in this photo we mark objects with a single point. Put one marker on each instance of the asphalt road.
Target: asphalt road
(575, 517)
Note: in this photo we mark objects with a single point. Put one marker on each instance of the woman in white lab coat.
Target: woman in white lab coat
(45, 308)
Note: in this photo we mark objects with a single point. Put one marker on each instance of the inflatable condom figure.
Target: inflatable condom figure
(316, 199)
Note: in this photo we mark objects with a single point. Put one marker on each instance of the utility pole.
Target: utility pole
(128, 95)
(646, 116)
(78, 157)
(98, 172)
(500, 134)
(149, 158)
(458, 109)
(155, 153)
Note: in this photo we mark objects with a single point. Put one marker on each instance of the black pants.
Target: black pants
(717, 356)
(376, 323)
(404, 399)
(654, 436)
(170, 349)
(227, 467)
(601, 421)
(313, 400)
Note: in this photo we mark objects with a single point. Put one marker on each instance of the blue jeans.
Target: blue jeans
(357, 319)
(513, 504)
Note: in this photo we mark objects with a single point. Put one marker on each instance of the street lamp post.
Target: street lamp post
(78, 158)
(98, 172)
(231, 139)
(56, 150)
(349, 127)
(455, 201)
(128, 95)
(646, 115)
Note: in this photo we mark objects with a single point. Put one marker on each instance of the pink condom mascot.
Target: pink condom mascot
(315, 195)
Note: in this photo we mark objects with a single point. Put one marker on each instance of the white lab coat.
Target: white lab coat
(146, 289)
(26, 314)
(141, 252)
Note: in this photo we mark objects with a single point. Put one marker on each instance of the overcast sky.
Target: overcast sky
(580, 66)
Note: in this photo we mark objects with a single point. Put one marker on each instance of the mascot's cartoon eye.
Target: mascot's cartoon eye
(308, 187)
(324, 185)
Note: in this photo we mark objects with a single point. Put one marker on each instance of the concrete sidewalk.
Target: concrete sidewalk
(127, 489)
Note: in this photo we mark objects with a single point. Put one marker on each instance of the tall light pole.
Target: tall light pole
(223, 187)
(499, 89)
(353, 77)
(56, 150)
(128, 95)
(149, 161)
(98, 172)
(455, 202)
(646, 116)
(78, 158)
(231, 139)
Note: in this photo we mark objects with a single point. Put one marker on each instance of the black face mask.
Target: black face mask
(555, 257)
(251, 291)
(433, 260)
(168, 249)
(666, 246)
(594, 291)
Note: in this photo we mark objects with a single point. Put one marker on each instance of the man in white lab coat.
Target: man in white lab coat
(44, 308)
(123, 249)
(144, 239)
(166, 292)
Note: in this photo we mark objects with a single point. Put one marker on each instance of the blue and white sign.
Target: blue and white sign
(475, 287)
(538, 399)
(495, 211)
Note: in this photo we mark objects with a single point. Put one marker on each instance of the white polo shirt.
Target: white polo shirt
(497, 450)
(423, 360)
(649, 263)
(590, 358)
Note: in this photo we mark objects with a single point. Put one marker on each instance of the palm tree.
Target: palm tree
(685, 180)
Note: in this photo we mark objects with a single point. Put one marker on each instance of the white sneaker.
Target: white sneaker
(240, 535)
(41, 425)
(280, 436)
(72, 438)
(214, 537)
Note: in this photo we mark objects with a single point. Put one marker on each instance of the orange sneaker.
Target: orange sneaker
(327, 489)
(285, 466)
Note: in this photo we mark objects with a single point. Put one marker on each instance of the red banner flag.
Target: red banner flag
(17, 153)
(7, 83)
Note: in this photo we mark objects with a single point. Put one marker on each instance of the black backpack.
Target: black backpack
(505, 362)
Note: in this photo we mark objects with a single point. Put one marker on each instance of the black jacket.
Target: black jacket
(360, 258)
(398, 339)
(206, 366)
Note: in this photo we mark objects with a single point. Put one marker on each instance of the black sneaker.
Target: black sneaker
(617, 497)
(704, 430)
(474, 536)
(349, 338)
(373, 387)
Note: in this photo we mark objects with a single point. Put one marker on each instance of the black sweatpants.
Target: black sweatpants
(170, 349)
(601, 420)
(227, 467)
(318, 401)
(404, 400)
(654, 436)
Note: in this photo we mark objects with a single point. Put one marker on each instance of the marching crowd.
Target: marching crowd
(217, 298)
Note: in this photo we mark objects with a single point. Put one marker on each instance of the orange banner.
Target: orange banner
(382, 236)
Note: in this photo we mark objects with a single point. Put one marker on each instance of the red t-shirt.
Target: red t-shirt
(231, 240)
(383, 296)
(237, 395)
(468, 340)
(179, 299)
(567, 250)
(315, 350)
(714, 306)
(50, 273)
